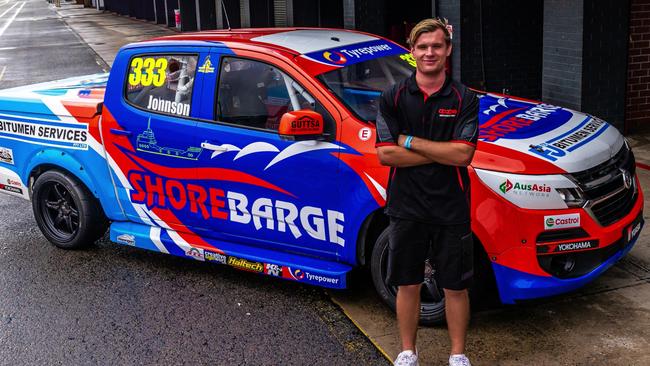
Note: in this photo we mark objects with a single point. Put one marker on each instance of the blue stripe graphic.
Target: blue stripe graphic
(579, 126)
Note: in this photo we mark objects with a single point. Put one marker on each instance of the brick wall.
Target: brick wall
(637, 106)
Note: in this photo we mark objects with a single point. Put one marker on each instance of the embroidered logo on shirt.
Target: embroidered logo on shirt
(447, 112)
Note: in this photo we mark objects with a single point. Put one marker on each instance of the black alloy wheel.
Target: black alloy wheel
(59, 211)
(68, 215)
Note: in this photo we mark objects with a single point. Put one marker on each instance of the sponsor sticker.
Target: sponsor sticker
(273, 269)
(558, 147)
(11, 189)
(301, 275)
(293, 273)
(578, 245)
(335, 57)
(561, 221)
(408, 57)
(321, 279)
(206, 68)
(527, 189)
(354, 53)
(521, 122)
(6, 155)
(127, 239)
(246, 265)
(215, 257)
(633, 231)
(258, 212)
(73, 136)
(195, 253)
(365, 134)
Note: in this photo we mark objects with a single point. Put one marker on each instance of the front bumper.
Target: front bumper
(516, 285)
(519, 261)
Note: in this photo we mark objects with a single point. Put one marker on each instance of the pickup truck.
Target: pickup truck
(255, 149)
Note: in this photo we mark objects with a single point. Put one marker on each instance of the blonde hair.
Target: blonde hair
(429, 25)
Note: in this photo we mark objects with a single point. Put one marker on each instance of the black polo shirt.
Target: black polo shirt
(432, 193)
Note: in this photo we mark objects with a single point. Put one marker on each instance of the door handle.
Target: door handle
(116, 131)
(213, 147)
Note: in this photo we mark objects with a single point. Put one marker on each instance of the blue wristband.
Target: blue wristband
(407, 142)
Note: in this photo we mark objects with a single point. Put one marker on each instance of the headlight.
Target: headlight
(539, 192)
(572, 196)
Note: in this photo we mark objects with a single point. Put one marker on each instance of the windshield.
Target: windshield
(359, 85)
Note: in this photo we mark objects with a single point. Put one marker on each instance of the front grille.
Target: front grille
(604, 187)
(561, 235)
(576, 264)
(615, 207)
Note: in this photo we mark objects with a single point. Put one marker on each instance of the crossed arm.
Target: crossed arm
(424, 151)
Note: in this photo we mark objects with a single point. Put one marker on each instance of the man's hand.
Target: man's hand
(401, 139)
(443, 152)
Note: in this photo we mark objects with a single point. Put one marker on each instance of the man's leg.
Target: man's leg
(408, 314)
(457, 312)
(408, 245)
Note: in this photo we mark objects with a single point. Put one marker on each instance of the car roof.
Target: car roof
(297, 41)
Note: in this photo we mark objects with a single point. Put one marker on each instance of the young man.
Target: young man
(427, 129)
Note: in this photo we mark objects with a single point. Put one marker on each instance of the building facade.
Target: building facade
(593, 56)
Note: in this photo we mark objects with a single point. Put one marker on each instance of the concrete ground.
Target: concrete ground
(606, 323)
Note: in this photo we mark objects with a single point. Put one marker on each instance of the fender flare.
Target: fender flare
(62, 160)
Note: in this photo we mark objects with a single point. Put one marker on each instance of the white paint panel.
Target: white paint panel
(515, 188)
(311, 40)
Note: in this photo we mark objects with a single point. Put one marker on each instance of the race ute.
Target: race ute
(255, 149)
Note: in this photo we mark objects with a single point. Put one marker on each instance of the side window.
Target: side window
(162, 83)
(256, 94)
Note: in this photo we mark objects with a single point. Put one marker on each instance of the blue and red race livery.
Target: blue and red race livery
(255, 149)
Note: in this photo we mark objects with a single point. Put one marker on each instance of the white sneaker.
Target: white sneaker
(406, 358)
(459, 360)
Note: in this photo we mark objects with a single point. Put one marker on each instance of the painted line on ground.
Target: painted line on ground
(2, 73)
(643, 166)
(381, 350)
(6, 11)
(11, 20)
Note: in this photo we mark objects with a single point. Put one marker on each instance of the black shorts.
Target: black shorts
(451, 253)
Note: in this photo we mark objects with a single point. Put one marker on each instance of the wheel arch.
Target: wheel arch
(484, 275)
(371, 228)
(60, 160)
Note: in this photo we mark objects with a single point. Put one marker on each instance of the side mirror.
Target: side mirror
(301, 125)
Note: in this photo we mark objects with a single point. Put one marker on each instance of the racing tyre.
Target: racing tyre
(432, 300)
(66, 212)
